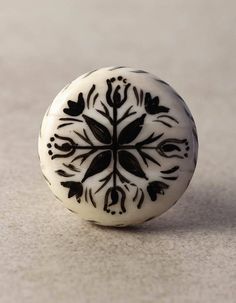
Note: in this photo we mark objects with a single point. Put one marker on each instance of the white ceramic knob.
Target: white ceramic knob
(118, 146)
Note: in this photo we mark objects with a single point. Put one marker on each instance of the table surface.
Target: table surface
(47, 253)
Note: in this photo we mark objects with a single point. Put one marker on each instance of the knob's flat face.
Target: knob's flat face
(118, 146)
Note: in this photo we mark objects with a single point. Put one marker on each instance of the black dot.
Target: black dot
(120, 212)
(113, 79)
(187, 148)
(52, 139)
(108, 210)
(120, 78)
(50, 152)
(49, 145)
(186, 155)
(113, 212)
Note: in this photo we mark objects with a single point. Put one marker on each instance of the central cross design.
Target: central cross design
(114, 146)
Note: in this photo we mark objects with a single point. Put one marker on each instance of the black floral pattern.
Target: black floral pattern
(156, 187)
(152, 106)
(117, 148)
(75, 108)
(75, 189)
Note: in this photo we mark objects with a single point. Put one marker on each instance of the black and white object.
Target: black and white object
(118, 146)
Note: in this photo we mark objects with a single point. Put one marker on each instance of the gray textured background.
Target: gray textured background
(48, 254)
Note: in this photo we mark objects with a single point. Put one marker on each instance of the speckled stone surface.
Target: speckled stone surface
(50, 255)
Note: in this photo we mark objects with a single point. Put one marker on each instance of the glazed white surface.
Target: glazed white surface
(174, 126)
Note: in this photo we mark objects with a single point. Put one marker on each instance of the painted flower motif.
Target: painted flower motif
(156, 187)
(115, 200)
(75, 189)
(173, 148)
(117, 91)
(63, 148)
(152, 106)
(75, 108)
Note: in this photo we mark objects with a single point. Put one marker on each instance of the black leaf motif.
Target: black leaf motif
(91, 198)
(98, 164)
(156, 187)
(63, 173)
(75, 189)
(170, 171)
(71, 167)
(152, 106)
(140, 202)
(131, 131)
(130, 163)
(100, 132)
(75, 108)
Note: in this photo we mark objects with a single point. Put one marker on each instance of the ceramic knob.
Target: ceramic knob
(118, 146)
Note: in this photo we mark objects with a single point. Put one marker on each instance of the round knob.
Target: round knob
(118, 146)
